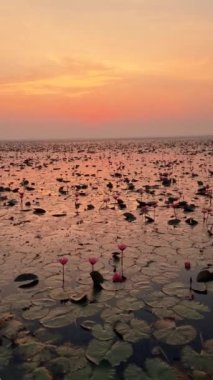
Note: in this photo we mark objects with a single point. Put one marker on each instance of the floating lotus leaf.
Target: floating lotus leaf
(166, 323)
(30, 280)
(174, 222)
(119, 352)
(103, 296)
(97, 350)
(210, 286)
(89, 310)
(45, 302)
(47, 336)
(5, 356)
(103, 332)
(189, 309)
(57, 321)
(134, 372)
(29, 349)
(26, 277)
(199, 375)
(42, 374)
(59, 366)
(198, 361)
(195, 305)
(208, 346)
(130, 304)
(176, 335)
(88, 325)
(82, 374)
(176, 289)
(157, 369)
(158, 299)
(165, 313)
(136, 331)
(103, 372)
(12, 329)
(60, 294)
(35, 312)
(113, 314)
(112, 286)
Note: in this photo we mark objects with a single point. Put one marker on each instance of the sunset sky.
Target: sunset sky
(105, 68)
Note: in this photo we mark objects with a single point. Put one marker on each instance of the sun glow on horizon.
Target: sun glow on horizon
(130, 60)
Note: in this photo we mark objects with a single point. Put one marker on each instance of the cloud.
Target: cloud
(68, 76)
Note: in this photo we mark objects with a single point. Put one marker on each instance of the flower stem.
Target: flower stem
(63, 276)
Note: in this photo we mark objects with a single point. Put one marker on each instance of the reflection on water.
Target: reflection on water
(79, 200)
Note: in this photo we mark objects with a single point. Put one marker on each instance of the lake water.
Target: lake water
(81, 199)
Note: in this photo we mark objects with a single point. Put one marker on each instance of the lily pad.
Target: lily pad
(159, 300)
(199, 361)
(136, 331)
(5, 356)
(54, 322)
(157, 369)
(175, 289)
(190, 309)
(97, 350)
(176, 335)
(30, 280)
(103, 332)
(130, 304)
(104, 372)
(42, 374)
(82, 374)
(35, 312)
(119, 352)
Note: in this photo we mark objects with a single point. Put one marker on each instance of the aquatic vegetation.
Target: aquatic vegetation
(154, 325)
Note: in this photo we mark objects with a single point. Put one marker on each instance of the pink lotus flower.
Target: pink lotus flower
(117, 277)
(187, 265)
(93, 260)
(122, 247)
(63, 260)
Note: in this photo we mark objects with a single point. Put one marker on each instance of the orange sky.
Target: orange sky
(85, 68)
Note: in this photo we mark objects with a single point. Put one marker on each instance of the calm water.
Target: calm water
(85, 188)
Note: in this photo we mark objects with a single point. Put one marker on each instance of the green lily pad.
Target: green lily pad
(89, 310)
(189, 309)
(103, 372)
(29, 279)
(60, 294)
(175, 289)
(82, 374)
(159, 300)
(176, 335)
(35, 312)
(30, 349)
(208, 346)
(12, 329)
(5, 356)
(134, 372)
(41, 374)
(130, 304)
(54, 322)
(103, 332)
(97, 350)
(157, 369)
(59, 366)
(136, 331)
(199, 361)
(119, 352)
